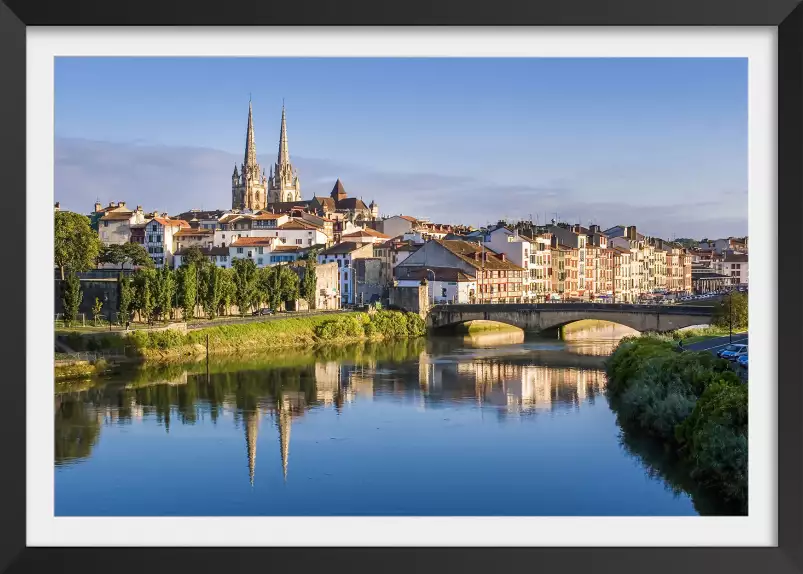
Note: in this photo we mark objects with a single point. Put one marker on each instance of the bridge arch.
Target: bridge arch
(542, 317)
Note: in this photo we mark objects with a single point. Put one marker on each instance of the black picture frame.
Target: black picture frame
(786, 15)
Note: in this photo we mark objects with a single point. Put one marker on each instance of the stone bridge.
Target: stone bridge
(540, 317)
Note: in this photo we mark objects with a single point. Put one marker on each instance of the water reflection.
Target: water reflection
(367, 415)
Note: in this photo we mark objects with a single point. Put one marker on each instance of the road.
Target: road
(716, 344)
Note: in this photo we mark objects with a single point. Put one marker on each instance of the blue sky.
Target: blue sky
(659, 143)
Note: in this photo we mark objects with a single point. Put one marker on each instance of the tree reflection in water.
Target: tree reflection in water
(520, 380)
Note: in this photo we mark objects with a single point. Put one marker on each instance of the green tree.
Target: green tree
(71, 296)
(289, 283)
(125, 297)
(194, 256)
(120, 254)
(211, 281)
(143, 286)
(76, 245)
(188, 290)
(113, 254)
(245, 275)
(163, 291)
(97, 309)
(137, 255)
(228, 290)
(76, 429)
(309, 286)
(731, 311)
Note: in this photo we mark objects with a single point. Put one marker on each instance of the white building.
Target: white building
(734, 265)
(158, 239)
(445, 285)
(344, 254)
(114, 226)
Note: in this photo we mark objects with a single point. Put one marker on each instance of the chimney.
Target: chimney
(139, 208)
(503, 257)
(121, 204)
(111, 204)
(58, 205)
(476, 256)
(97, 207)
(594, 229)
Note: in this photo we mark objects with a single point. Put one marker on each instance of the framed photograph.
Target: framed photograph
(419, 287)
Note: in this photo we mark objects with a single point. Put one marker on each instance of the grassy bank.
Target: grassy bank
(695, 335)
(79, 370)
(691, 401)
(235, 339)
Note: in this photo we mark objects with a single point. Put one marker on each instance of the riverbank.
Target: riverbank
(692, 402)
(243, 339)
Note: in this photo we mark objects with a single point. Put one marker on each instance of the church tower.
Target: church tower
(283, 182)
(249, 185)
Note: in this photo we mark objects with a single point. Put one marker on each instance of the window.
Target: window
(299, 242)
(260, 251)
(259, 261)
(239, 250)
(339, 263)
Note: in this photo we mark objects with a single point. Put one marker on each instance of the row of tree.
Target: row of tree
(197, 288)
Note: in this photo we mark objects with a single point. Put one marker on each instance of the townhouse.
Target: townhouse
(344, 254)
(498, 280)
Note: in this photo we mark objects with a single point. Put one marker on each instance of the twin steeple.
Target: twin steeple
(250, 188)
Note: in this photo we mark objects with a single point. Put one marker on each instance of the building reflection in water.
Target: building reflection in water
(514, 385)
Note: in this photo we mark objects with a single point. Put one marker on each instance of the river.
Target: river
(492, 424)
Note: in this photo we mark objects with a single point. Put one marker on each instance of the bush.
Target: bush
(692, 400)
(715, 438)
(382, 324)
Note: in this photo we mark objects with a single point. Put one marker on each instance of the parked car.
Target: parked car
(733, 352)
(742, 361)
(263, 311)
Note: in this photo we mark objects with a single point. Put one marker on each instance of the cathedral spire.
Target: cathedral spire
(250, 144)
(284, 154)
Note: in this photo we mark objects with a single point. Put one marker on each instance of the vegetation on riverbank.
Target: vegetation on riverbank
(691, 401)
(697, 334)
(309, 331)
(79, 370)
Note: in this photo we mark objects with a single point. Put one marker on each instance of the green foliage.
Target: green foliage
(731, 311)
(112, 254)
(228, 289)
(690, 399)
(194, 256)
(125, 297)
(211, 289)
(76, 244)
(309, 286)
(188, 289)
(97, 309)
(245, 281)
(71, 296)
(164, 290)
(162, 340)
(382, 324)
(144, 301)
(137, 255)
(715, 436)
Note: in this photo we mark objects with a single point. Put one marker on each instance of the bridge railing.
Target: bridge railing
(609, 307)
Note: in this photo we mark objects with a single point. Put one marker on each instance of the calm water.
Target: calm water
(488, 425)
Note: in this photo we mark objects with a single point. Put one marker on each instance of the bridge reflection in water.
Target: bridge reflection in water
(368, 413)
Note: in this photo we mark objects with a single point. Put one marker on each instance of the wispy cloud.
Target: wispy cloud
(175, 179)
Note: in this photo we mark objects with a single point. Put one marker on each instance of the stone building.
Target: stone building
(250, 188)
(249, 185)
(283, 184)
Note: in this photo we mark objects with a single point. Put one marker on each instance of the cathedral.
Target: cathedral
(250, 188)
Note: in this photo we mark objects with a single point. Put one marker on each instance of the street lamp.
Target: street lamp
(730, 316)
